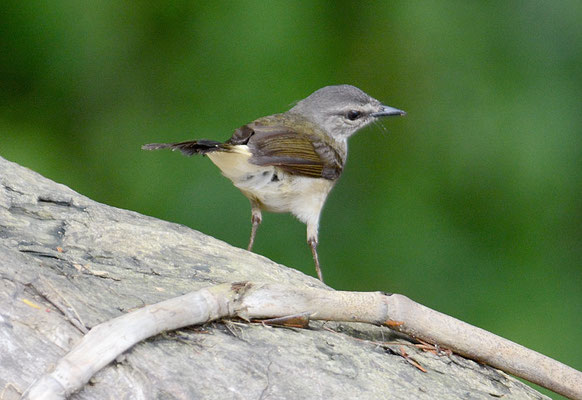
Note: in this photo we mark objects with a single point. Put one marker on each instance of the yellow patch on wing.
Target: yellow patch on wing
(233, 163)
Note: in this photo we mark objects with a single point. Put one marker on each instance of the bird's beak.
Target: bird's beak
(387, 111)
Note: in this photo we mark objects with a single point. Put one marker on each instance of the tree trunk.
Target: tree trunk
(68, 263)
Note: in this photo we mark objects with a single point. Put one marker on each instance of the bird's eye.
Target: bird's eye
(353, 115)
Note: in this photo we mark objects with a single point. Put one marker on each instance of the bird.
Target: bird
(289, 162)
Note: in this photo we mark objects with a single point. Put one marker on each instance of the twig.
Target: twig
(54, 297)
(253, 301)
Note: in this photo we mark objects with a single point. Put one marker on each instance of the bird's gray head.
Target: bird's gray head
(342, 110)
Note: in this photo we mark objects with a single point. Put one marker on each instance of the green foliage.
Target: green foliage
(470, 204)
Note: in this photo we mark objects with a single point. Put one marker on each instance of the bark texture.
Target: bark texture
(68, 263)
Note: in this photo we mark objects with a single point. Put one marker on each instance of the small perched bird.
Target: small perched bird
(289, 162)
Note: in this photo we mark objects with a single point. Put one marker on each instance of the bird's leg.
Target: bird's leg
(312, 234)
(312, 242)
(256, 219)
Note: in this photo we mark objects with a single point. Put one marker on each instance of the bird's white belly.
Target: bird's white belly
(274, 189)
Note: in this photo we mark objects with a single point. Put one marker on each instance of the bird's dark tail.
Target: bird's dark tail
(189, 148)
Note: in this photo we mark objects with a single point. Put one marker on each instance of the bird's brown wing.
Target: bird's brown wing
(296, 151)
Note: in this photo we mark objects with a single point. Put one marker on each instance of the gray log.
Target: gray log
(68, 263)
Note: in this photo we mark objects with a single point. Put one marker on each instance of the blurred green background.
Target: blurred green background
(471, 204)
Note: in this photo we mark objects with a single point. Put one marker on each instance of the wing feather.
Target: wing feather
(302, 153)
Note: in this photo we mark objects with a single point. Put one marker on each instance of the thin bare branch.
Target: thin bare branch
(252, 301)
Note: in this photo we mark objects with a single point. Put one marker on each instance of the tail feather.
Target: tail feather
(188, 148)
